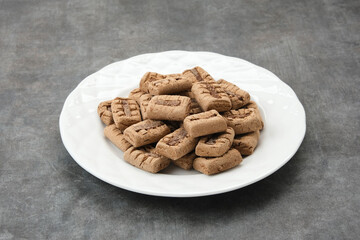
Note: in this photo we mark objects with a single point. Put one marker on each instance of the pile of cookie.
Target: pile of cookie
(188, 119)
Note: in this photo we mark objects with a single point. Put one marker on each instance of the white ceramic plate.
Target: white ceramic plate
(82, 131)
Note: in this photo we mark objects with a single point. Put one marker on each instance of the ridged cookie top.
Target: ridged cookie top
(206, 89)
(175, 137)
(147, 125)
(203, 116)
(153, 76)
(125, 107)
(238, 114)
(237, 96)
(197, 74)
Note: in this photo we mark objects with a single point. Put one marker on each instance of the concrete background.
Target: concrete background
(48, 47)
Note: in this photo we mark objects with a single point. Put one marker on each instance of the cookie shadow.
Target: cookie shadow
(253, 197)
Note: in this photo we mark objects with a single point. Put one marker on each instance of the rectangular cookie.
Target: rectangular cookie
(209, 165)
(185, 162)
(116, 137)
(146, 132)
(238, 97)
(215, 145)
(197, 74)
(205, 123)
(253, 105)
(243, 120)
(169, 85)
(169, 107)
(176, 144)
(210, 95)
(146, 159)
(136, 94)
(125, 112)
(246, 143)
(143, 103)
(153, 76)
(104, 112)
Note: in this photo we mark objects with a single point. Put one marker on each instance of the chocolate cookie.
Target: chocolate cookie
(146, 132)
(153, 76)
(246, 143)
(204, 123)
(146, 159)
(176, 144)
(197, 74)
(215, 145)
(238, 97)
(209, 166)
(168, 107)
(210, 95)
(253, 105)
(144, 102)
(125, 112)
(169, 85)
(243, 120)
(116, 137)
(104, 112)
(136, 94)
(185, 162)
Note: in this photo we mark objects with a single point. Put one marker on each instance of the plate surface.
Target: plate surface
(82, 131)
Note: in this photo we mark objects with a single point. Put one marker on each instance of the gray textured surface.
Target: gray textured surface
(48, 47)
